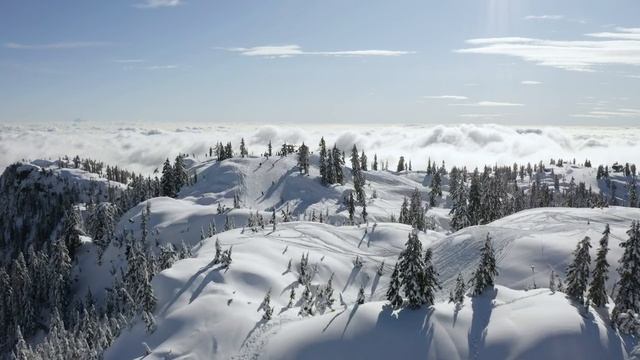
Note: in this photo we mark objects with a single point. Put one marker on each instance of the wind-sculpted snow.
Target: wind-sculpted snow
(144, 148)
(205, 311)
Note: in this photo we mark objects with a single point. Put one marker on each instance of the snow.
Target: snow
(206, 312)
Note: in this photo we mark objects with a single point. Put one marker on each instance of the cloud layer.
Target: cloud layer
(144, 148)
(621, 47)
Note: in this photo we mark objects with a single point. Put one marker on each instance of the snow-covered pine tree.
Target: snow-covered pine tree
(338, 162)
(597, 292)
(323, 162)
(401, 166)
(266, 307)
(552, 282)
(484, 276)
(457, 295)
(358, 176)
(243, 148)
(627, 300)
(429, 279)
(72, 229)
(351, 207)
(393, 292)
(361, 298)
(303, 159)
(578, 271)
(167, 181)
(180, 176)
(306, 306)
(292, 297)
(363, 162)
(374, 166)
(436, 190)
(412, 271)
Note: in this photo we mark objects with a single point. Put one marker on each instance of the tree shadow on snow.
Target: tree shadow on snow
(482, 306)
(376, 280)
(189, 283)
(352, 277)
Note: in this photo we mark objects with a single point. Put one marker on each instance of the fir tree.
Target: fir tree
(351, 207)
(578, 271)
(484, 276)
(361, 298)
(266, 307)
(412, 271)
(324, 173)
(358, 176)
(167, 181)
(180, 177)
(303, 159)
(393, 292)
(374, 165)
(429, 279)
(243, 149)
(457, 296)
(627, 300)
(597, 291)
(436, 191)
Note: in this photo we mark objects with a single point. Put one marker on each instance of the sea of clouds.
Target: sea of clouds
(143, 147)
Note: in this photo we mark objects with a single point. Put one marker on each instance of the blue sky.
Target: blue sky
(536, 62)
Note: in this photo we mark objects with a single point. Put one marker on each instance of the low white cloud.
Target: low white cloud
(446, 97)
(152, 4)
(56, 45)
(144, 147)
(530, 82)
(621, 47)
(285, 51)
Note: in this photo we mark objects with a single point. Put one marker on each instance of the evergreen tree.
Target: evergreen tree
(457, 296)
(436, 190)
(303, 159)
(306, 307)
(393, 292)
(627, 300)
(243, 148)
(361, 298)
(597, 291)
(552, 282)
(363, 162)
(412, 272)
(266, 307)
(72, 230)
(374, 166)
(338, 162)
(167, 181)
(358, 176)
(270, 149)
(324, 173)
(401, 166)
(429, 279)
(484, 276)
(180, 177)
(578, 271)
(351, 207)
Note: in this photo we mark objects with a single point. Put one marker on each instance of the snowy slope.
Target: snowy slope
(206, 312)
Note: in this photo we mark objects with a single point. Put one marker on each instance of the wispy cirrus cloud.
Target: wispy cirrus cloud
(56, 45)
(530, 82)
(544, 17)
(285, 51)
(152, 4)
(607, 114)
(445, 97)
(490, 104)
(129, 61)
(619, 47)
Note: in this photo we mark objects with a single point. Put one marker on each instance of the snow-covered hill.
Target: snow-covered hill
(205, 311)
